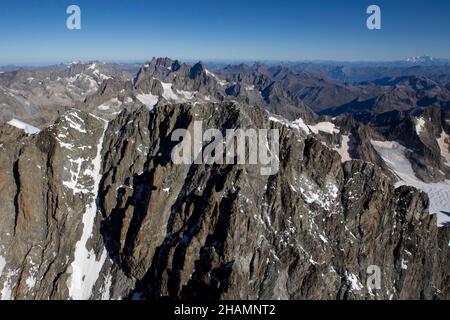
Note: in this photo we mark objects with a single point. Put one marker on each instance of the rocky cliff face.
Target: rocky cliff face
(97, 210)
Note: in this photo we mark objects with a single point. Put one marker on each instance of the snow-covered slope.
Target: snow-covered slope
(149, 100)
(443, 145)
(393, 155)
(86, 267)
(327, 127)
(24, 126)
(343, 149)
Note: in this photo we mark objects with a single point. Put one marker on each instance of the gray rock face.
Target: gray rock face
(96, 210)
(180, 82)
(49, 189)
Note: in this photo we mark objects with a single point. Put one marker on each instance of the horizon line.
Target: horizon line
(211, 60)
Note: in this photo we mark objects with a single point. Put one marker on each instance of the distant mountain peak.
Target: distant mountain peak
(198, 69)
(420, 59)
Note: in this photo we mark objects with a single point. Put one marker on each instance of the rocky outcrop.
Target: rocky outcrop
(96, 210)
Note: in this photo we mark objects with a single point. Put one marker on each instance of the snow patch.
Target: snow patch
(107, 287)
(100, 75)
(110, 104)
(443, 141)
(103, 107)
(187, 95)
(2, 264)
(221, 82)
(6, 292)
(85, 267)
(343, 149)
(300, 124)
(169, 94)
(30, 282)
(394, 156)
(29, 129)
(354, 281)
(209, 73)
(128, 100)
(420, 125)
(404, 264)
(327, 127)
(75, 122)
(75, 172)
(148, 99)
(297, 124)
(312, 193)
(323, 238)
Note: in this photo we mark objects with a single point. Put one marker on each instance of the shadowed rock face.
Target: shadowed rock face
(95, 210)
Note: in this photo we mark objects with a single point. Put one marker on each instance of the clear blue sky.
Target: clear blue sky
(34, 31)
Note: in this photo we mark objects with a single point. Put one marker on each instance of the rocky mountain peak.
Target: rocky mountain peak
(94, 206)
(420, 59)
(105, 214)
(197, 70)
(162, 62)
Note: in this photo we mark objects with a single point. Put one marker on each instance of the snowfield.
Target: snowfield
(149, 100)
(326, 127)
(29, 129)
(343, 150)
(298, 124)
(169, 94)
(393, 155)
(85, 266)
(173, 95)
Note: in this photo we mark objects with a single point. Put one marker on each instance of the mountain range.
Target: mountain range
(93, 207)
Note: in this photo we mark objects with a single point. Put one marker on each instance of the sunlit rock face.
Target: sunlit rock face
(98, 210)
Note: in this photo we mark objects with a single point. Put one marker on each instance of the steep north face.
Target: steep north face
(97, 210)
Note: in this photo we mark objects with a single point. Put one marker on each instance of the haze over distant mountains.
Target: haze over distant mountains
(289, 89)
